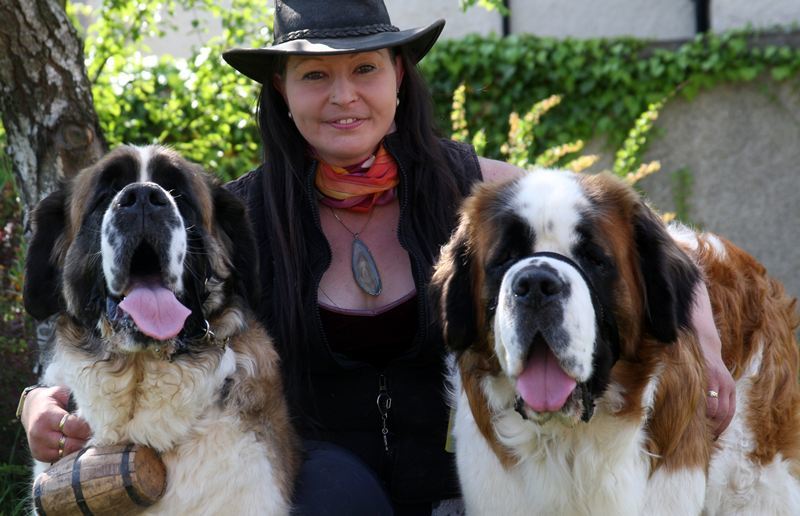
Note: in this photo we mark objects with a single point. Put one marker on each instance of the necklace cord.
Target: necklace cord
(355, 234)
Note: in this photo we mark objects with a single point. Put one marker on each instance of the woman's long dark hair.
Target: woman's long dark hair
(433, 194)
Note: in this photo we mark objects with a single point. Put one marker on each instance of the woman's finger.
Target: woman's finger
(77, 428)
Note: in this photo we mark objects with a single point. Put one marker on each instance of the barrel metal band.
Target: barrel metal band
(125, 473)
(37, 498)
(80, 501)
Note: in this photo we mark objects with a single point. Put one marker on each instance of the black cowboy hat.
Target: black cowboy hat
(326, 27)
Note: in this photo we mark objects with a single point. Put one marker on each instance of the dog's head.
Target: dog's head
(143, 249)
(549, 279)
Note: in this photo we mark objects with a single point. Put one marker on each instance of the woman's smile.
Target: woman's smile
(346, 123)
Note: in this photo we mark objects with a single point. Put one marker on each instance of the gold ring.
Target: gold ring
(63, 422)
(61, 442)
(713, 394)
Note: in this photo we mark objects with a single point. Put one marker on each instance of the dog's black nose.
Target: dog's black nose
(142, 196)
(537, 286)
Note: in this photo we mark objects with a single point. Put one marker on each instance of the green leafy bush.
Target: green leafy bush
(199, 106)
(604, 84)
(16, 336)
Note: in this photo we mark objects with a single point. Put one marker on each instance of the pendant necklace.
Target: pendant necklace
(365, 270)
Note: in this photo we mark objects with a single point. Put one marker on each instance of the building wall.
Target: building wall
(415, 13)
(763, 14)
(730, 157)
(651, 19)
(648, 19)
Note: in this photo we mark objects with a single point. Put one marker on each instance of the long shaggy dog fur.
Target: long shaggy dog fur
(206, 392)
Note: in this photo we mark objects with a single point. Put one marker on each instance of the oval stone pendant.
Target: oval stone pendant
(365, 270)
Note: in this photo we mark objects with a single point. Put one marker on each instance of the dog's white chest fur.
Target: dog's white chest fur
(604, 471)
(150, 402)
(176, 409)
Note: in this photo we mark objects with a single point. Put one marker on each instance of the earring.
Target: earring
(397, 103)
(290, 115)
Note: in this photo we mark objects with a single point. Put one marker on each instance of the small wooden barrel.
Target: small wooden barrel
(114, 480)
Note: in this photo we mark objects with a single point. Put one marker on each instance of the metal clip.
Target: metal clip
(384, 402)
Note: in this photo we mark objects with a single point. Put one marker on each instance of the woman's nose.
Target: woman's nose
(343, 92)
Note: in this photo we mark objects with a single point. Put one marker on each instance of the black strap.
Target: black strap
(569, 261)
(77, 489)
(125, 473)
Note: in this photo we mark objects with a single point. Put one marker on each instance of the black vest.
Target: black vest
(344, 393)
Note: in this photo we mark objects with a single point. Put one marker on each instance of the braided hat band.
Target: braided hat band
(344, 32)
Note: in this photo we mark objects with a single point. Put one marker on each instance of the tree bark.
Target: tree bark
(46, 100)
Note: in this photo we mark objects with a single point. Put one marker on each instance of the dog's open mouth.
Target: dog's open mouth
(543, 386)
(147, 302)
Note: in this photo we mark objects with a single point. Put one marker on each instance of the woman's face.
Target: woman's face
(344, 104)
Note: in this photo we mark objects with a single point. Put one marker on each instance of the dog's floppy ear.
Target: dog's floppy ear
(42, 288)
(669, 277)
(451, 292)
(231, 216)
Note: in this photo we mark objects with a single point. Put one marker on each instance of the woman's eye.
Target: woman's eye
(365, 68)
(312, 76)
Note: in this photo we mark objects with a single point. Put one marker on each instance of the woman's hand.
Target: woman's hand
(44, 410)
(719, 408)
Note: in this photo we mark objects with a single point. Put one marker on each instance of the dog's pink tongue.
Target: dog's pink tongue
(155, 309)
(543, 384)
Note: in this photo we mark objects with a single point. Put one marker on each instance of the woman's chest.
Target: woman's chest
(364, 246)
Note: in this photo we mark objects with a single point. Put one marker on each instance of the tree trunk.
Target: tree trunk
(45, 97)
(46, 106)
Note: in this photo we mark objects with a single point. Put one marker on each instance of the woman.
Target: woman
(354, 199)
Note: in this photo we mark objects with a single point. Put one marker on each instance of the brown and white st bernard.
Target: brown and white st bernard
(579, 385)
(151, 266)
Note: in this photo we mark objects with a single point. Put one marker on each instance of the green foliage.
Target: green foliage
(605, 84)
(682, 185)
(14, 486)
(627, 163)
(489, 5)
(458, 119)
(16, 331)
(519, 143)
(199, 106)
(521, 131)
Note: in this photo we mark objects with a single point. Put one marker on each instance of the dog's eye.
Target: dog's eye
(503, 260)
(175, 193)
(594, 256)
(99, 201)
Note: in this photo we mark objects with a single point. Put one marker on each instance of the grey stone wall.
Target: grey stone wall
(730, 160)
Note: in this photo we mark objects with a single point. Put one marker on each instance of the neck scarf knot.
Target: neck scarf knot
(358, 187)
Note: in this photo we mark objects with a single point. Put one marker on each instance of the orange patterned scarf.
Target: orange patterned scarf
(358, 187)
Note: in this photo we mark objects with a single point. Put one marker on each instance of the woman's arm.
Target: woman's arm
(719, 408)
(494, 171)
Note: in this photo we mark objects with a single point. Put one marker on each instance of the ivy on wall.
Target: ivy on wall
(604, 84)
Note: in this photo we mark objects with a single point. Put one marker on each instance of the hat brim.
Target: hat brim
(252, 61)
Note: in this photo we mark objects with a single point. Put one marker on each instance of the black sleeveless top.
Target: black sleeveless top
(376, 338)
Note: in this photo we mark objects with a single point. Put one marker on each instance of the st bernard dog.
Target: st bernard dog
(579, 385)
(151, 266)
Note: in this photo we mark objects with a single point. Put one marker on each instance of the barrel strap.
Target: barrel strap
(37, 498)
(125, 473)
(77, 489)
